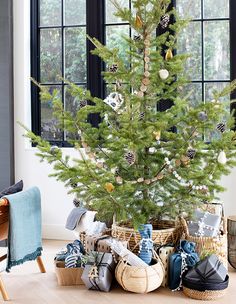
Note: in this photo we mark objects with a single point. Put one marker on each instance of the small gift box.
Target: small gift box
(210, 270)
(164, 254)
(99, 271)
(97, 243)
(204, 224)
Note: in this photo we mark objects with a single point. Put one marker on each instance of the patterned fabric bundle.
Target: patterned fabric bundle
(146, 243)
(180, 262)
(72, 255)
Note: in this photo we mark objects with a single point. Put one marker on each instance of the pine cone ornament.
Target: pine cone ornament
(130, 157)
(76, 202)
(221, 127)
(113, 68)
(141, 116)
(82, 103)
(202, 116)
(191, 153)
(137, 38)
(165, 21)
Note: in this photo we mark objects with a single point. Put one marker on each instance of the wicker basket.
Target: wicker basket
(140, 279)
(164, 232)
(217, 245)
(204, 295)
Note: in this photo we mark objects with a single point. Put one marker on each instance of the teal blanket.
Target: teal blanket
(24, 238)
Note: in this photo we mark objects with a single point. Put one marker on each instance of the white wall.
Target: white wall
(56, 204)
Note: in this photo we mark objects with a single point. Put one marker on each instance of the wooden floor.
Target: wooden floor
(26, 285)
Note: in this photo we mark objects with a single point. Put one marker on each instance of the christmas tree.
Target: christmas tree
(141, 162)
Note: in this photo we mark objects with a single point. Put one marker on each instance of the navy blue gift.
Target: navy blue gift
(185, 258)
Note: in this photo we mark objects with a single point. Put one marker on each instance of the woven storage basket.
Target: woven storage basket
(204, 295)
(140, 279)
(217, 245)
(164, 232)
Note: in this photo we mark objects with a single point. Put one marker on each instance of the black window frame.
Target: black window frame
(96, 27)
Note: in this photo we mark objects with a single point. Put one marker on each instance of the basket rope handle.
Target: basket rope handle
(224, 219)
(184, 225)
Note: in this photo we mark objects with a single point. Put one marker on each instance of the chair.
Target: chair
(4, 224)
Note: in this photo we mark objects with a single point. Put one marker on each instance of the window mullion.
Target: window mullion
(95, 28)
(35, 67)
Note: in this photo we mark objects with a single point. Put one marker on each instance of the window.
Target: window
(60, 50)
(207, 37)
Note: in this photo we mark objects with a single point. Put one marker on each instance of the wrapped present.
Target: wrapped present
(209, 270)
(97, 243)
(204, 224)
(164, 253)
(99, 271)
(101, 244)
(180, 262)
(208, 280)
(214, 208)
(146, 243)
(125, 254)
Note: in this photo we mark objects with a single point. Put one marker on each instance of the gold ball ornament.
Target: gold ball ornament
(138, 22)
(157, 135)
(185, 160)
(109, 187)
(169, 55)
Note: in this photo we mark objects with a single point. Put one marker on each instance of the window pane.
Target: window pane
(75, 12)
(189, 42)
(215, 86)
(194, 91)
(217, 51)
(216, 8)
(50, 12)
(114, 39)
(50, 55)
(111, 10)
(49, 130)
(75, 54)
(189, 8)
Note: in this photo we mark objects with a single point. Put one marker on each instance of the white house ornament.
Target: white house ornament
(222, 159)
(114, 100)
(113, 68)
(164, 74)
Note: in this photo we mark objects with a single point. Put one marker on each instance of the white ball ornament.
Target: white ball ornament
(164, 74)
(222, 159)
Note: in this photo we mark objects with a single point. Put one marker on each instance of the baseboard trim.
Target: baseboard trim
(56, 232)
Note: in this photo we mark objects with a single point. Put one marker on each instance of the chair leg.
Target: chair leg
(3, 290)
(40, 264)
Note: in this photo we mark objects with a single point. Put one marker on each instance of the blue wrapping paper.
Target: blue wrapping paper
(146, 243)
(185, 258)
